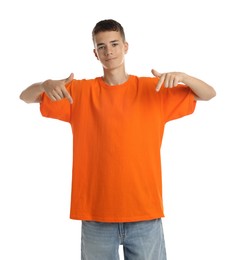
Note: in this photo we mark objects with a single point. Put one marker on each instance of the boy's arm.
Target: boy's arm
(32, 94)
(202, 90)
(54, 89)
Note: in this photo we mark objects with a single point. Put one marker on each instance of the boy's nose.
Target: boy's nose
(108, 51)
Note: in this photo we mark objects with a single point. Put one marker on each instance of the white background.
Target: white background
(43, 39)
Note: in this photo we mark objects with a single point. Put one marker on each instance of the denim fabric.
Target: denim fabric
(141, 240)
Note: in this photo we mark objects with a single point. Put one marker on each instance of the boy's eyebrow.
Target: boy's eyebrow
(100, 44)
(114, 41)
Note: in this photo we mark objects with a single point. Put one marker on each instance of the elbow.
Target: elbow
(212, 94)
(26, 99)
(21, 97)
(207, 96)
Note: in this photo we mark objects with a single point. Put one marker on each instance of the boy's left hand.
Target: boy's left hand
(170, 79)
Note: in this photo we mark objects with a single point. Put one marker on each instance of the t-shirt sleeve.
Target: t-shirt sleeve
(177, 102)
(56, 109)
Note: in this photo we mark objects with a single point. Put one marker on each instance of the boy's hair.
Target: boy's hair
(108, 25)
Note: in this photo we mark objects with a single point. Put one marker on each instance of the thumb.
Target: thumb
(69, 79)
(155, 73)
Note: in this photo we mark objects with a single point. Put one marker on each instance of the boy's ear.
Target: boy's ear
(95, 53)
(126, 47)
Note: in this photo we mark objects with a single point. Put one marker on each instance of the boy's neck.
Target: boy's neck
(115, 77)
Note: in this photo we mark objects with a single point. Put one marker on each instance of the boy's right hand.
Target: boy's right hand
(56, 89)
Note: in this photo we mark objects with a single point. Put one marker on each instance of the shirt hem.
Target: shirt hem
(116, 220)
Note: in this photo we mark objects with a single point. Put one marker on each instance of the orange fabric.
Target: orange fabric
(117, 135)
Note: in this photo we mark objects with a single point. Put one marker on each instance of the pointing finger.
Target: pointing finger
(160, 82)
(67, 95)
(64, 90)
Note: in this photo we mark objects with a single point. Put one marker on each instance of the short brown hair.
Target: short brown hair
(108, 25)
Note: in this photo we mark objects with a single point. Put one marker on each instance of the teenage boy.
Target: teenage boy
(117, 122)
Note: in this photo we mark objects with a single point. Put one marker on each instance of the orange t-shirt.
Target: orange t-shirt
(117, 135)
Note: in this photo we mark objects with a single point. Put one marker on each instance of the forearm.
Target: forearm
(32, 94)
(202, 90)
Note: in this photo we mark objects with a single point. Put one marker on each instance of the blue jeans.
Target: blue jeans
(141, 240)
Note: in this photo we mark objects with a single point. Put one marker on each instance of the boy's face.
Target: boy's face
(110, 49)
